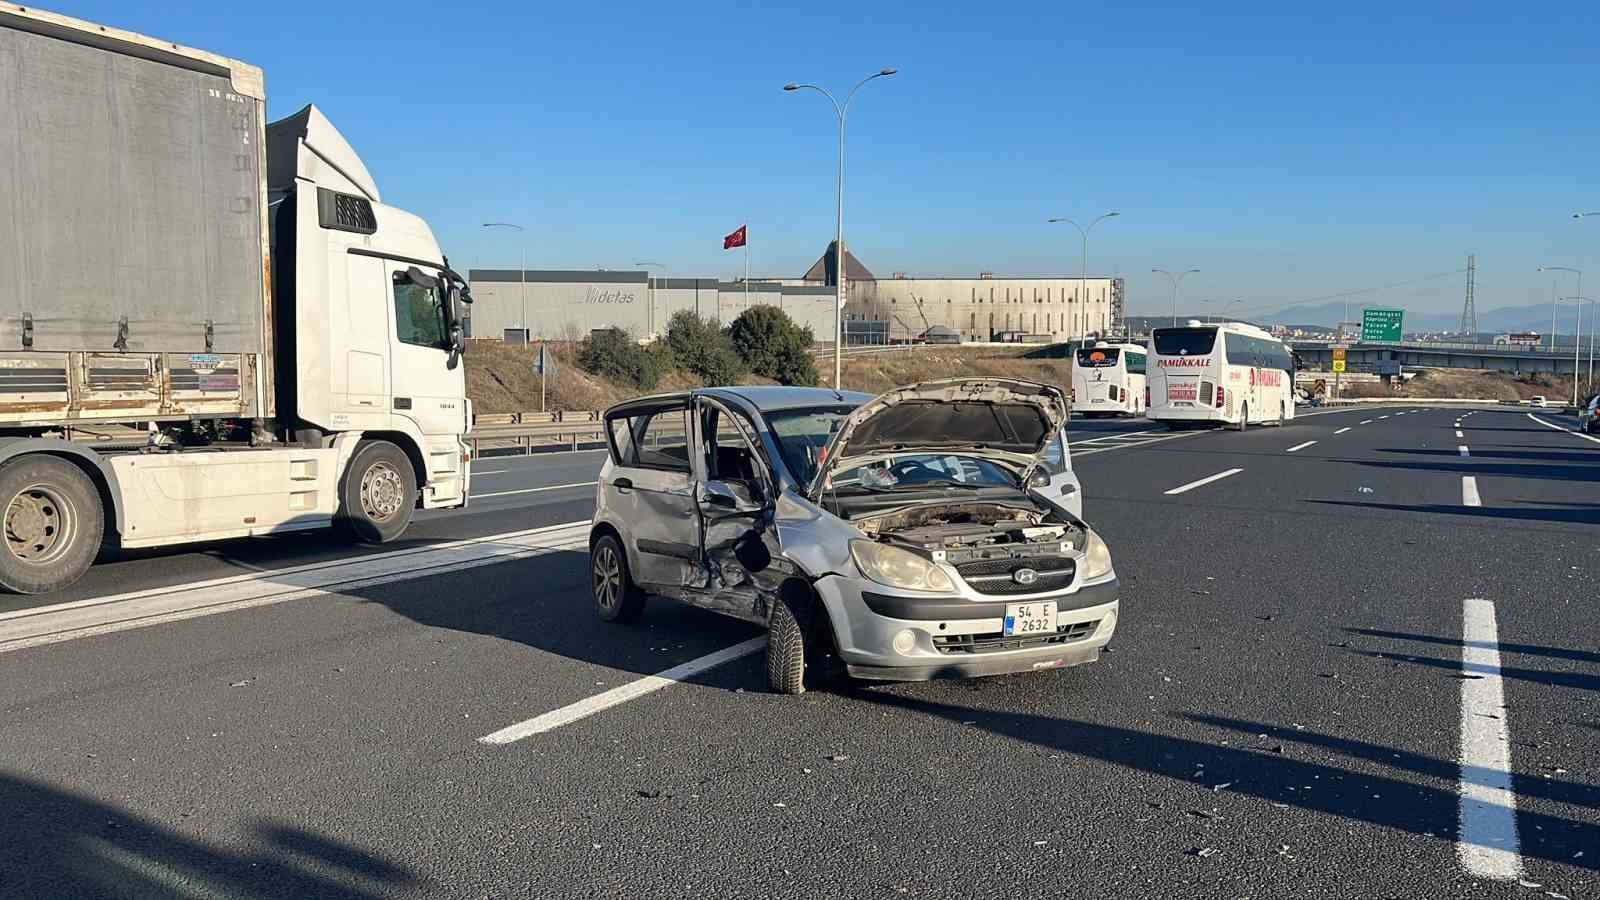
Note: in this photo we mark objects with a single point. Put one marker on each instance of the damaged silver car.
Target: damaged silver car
(934, 531)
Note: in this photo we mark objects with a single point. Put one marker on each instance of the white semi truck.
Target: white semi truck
(210, 327)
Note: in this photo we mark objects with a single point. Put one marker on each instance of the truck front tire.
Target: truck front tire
(53, 524)
(378, 493)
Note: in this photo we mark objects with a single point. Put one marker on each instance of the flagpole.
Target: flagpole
(747, 266)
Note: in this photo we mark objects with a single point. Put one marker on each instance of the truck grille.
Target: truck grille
(996, 641)
(994, 576)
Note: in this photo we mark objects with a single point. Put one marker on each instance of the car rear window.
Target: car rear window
(1097, 357)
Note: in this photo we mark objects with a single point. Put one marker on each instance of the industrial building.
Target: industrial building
(566, 305)
(988, 307)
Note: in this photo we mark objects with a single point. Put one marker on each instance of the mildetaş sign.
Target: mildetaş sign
(593, 294)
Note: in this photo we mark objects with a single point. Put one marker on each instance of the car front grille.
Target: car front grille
(996, 641)
(996, 576)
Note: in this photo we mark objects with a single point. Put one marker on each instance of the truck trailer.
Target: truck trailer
(210, 327)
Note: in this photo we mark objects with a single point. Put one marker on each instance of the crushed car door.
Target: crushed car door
(734, 493)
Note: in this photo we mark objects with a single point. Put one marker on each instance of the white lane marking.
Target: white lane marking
(1487, 843)
(1299, 446)
(1571, 431)
(633, 690)
(1342, 430)
(1463, 449)
(1204, 481)
(1459, 434)
(121, 612)
(1469, 491)
(1365, 422)
(553, 487)
(1383, 417)
(1130, 445)
(1401, 413)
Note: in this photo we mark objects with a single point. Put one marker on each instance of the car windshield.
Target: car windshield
(802, 433)
(913, 470)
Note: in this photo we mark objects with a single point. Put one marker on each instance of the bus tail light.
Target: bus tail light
(1219, 396)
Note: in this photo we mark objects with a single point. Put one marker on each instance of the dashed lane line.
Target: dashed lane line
(1342, 430)
(1182, 488)
(1299, 447)
(1463, 449)
(1459, 434)
(1486, 843)
(1469, 491)
(621, 694)
(1365, 422)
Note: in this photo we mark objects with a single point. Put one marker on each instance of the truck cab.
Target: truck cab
(368, 313)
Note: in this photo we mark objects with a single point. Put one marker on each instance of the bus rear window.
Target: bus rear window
(1185, 341)
(1097, 357)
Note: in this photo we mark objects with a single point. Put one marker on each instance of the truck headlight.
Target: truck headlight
(1096, 558)
(898, 568)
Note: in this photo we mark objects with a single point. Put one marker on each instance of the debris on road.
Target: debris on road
(1201, 852)
(1217, 788)
(1363, 490)
(838, 757)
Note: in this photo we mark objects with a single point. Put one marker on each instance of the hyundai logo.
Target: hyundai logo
(1024, 576)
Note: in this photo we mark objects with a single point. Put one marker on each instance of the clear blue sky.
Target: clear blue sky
(1288, 153)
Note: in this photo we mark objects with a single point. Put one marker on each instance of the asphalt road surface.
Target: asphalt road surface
(1363, 663)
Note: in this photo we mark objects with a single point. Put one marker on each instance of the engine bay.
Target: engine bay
(972, 531)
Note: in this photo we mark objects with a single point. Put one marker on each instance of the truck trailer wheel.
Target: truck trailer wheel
(54, 522)
(378, 493)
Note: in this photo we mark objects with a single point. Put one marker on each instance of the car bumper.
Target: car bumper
(955, 637)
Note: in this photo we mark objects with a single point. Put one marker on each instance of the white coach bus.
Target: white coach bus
(1109, 380)
(1230, 373)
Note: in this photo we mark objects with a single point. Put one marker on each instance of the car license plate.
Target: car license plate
(1023, 619)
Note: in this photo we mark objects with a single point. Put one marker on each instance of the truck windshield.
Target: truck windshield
(1185, 341)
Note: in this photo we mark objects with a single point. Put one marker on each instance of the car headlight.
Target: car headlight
(898, 568)
(1096, 558)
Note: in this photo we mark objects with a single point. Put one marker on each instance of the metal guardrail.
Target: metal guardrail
(527, 431)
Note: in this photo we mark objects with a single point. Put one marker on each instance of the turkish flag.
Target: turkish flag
(736, 239)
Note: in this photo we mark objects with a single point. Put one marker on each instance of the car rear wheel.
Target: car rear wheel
(1244, 417)
(616, 597)
(54, 523)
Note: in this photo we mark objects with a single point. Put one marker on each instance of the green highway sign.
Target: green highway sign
(1382, 326)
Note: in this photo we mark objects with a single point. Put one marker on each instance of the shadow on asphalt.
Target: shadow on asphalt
(1577, 680)
(55, 843)
(1479, 452)
(1267, 770)
(1529, 649)
(1470, 466)
(544, 602)
(1581, 514)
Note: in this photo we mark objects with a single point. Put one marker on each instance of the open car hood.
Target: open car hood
(1005, 419)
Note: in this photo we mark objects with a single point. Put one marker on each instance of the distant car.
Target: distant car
(1589, 415)
(1536, 401)
(935, 531)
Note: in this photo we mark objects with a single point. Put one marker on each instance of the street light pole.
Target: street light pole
(650, 319)
(1175, 279)
(1577, 338)
(522, 273)
(1083, 271)
(838, 237)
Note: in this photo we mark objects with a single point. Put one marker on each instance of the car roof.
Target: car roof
(764, 398)
(773, 397)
